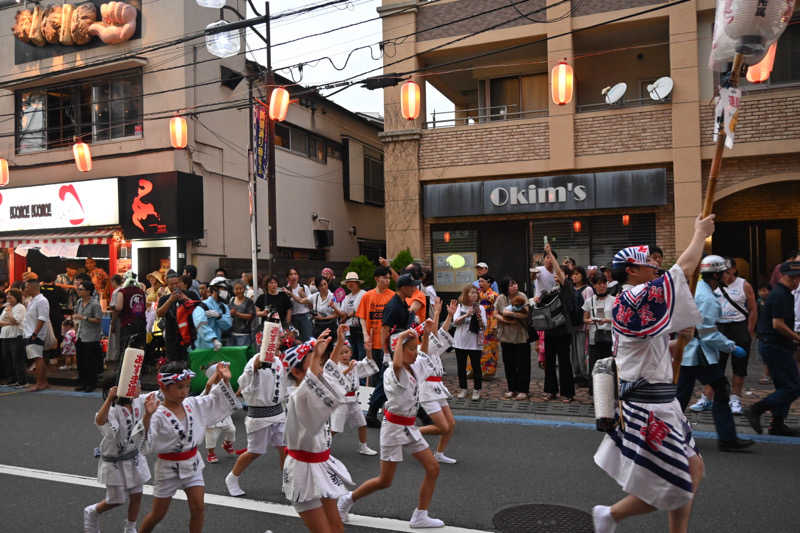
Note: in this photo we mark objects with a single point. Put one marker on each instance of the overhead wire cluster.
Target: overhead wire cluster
(352, 80)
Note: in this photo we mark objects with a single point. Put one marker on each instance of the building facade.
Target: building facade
(507, 168)
(144, 204)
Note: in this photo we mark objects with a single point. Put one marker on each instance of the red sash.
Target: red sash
(399, 420)
(179, 456)
(309, 457)
(352, 393)
(434, 378)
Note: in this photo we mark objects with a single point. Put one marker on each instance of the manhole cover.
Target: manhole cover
(542, 518)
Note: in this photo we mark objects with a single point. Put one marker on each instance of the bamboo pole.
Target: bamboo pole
(708, 205)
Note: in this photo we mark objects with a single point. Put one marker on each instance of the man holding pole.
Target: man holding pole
(652, 453)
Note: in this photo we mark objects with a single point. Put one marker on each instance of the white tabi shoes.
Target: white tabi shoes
(90, 520)
(232, 482)
(344, 505)
(603, 521)
(421, 519)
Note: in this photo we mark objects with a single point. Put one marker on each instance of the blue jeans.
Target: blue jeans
(714, 376)
(238, 339)
(302, 323)
(783, 371)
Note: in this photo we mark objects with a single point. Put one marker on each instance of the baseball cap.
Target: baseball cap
(790, 268)
(406, 281)
(482, 265)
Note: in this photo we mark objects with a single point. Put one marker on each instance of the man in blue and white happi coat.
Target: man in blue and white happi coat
(651, 453)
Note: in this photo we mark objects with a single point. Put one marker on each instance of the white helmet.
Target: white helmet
(219, 280)
(713, 263)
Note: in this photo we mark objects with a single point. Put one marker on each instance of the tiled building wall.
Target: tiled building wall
(762, 119)
(441, 14)
(601, 133)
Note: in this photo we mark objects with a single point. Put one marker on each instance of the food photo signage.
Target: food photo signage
(165, 204)
(47, 30)
(571, 192)
(59, 206)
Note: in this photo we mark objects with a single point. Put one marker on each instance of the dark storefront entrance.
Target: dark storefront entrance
(757, 245)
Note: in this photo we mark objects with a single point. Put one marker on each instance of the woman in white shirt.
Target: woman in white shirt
(13, 351)
(470, 321)
(324, 308)
(597, 314)
(300, 295)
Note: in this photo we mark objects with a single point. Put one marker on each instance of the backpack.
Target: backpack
(187, 333)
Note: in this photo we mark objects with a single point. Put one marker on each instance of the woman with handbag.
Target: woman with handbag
(470, 321)
(597, 313)
(324, 309)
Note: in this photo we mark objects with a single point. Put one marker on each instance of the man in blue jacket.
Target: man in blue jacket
(701, 356)
(213, 321)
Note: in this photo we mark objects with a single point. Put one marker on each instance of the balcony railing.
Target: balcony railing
(625, 102)
(480, 115)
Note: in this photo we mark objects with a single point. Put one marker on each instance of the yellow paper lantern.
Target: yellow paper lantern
(279, 104)
(83, 156)
(178, 132)
(410, 104)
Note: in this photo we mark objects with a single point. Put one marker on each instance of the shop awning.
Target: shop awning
(76, 237)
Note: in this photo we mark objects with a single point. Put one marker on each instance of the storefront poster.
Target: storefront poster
(166, 204)
(60, 205)
(450, 279)
(569, 192)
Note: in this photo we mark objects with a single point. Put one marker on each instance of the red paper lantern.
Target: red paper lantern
(279, 104)
(178, 132)
(577, 226)
(410, 101)
(446, 236)
(563, 83)
(759, 73)
(83, 156)
(4, 176)
(626, 219)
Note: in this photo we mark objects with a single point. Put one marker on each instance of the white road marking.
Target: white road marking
(386, 524)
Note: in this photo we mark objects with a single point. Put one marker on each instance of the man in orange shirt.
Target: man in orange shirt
(370, 314)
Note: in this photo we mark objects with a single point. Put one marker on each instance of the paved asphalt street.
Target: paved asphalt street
(502, 462)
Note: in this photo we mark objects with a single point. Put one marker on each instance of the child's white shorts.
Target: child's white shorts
(268, 436)
(117, 494)
(166, 488)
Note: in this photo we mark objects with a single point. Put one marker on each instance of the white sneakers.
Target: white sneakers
(442, 458)
(461, 394)
(232, 482)
(90, 520)
(603, 521)
(476, 395)
(363, 449)
(421, 519)
(736, 405)
(130, 527)
(344, 505)
(703, 404)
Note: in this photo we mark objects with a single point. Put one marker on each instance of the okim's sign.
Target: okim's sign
(572, 192)
(60, 205)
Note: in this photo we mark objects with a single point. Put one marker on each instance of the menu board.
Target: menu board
(453, 270)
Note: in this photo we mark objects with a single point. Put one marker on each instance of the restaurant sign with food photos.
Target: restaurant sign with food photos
(48, 30)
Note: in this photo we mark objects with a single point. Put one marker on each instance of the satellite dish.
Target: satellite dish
(661, 88)
(614, 94)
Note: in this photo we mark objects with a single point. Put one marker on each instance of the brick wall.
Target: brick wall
(588, 7)
(438, 14)
(601, 133)
(740, 169)
(765, 119)
(474, 145)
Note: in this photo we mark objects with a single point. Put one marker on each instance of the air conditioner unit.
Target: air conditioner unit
(323, 238)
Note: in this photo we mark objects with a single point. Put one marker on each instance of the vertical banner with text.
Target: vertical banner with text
(260, 140)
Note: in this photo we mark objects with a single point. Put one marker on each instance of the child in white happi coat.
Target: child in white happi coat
(433, 392)
(175, 431)
(263, 387)
(122, 468)
(312, 478)
(398, 434)
(348, 415)
(224, 428)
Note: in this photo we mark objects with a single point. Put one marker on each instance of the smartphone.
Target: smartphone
(545, 240)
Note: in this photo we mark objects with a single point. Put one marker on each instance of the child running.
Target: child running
(398, 434)
(224, 427)
(434, 393)
(348, 415)
(263, 387)
(175, 431)
(122, 467)
(312, 478)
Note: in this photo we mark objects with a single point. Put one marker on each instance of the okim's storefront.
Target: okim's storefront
(132, 222)
(505, 222)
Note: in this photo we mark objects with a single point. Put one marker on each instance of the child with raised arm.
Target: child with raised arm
(348, 415)
(263, 387)
(312, 478)
(175, 431)
(122, 468)
(398, 434)
(434, 393)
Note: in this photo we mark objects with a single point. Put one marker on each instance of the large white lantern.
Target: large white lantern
(216, 4)
(223, 44)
